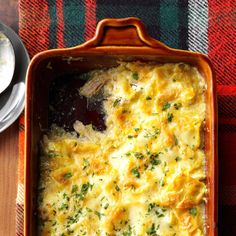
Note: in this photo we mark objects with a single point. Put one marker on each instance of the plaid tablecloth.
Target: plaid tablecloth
(197, 25)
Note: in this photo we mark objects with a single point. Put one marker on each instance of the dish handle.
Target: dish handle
(125, 32)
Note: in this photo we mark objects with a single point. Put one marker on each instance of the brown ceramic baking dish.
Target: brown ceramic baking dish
(115, 39)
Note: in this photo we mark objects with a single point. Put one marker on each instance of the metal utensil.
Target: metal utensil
(18, 91)
(7, 62)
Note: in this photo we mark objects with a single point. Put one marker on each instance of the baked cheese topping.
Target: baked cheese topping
(143, 175)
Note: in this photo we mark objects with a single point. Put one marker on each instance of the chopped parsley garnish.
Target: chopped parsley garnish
(116, 102)
(74, 188)
(84, 190)
(88, 209)
(85, 164)
(106, 206)
(138, 155)
(135, 172)
(67, 175)
(177, 105)
(54, 223)
(151, 206)
(152, 134)
(178, 158)
(128, 232)
(132, 136)
(70, 231)
(162, 183)
(193, 211)
(97, 213)
(158, 211)
(148, 98)
(65, 196)
(64, 206)
(52, 154)
(154, 159)
(135, 76)
(151, 230)
(136, 129)
(159, 214)
(166, 106)
(176, 140)
(170, 117)
(125, 111)
(117, 188)
(75, 218)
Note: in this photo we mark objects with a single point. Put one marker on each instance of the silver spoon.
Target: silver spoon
(7, 62)
(17, 92)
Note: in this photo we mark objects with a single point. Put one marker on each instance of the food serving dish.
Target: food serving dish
(13, 97)
(115, 40)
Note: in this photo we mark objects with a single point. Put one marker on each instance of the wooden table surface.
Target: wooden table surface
(8, 144)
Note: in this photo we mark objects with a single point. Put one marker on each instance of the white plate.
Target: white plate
(12, 100)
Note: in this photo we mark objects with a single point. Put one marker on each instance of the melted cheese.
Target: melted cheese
(145, 174)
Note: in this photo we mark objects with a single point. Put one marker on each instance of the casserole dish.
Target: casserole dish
(115, 40)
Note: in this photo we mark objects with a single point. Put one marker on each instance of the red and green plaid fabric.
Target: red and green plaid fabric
(204, 26)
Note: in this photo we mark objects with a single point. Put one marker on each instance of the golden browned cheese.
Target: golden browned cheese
(143, 175)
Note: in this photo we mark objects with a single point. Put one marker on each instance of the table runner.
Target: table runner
(203, 26)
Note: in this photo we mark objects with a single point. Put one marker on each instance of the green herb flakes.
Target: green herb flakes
(65, 196)
(67, 175)
(166, 106)
(85, 164)
(148, 98)
(88, 210)
(193, 211)
(177, 105)
(117, 188)
(128, 232)
(178, 159)
(154, 159)
(63, 206)
(106, 206)
(98, 214)
(158, 211)
(116, 102)
(84, 190)
(75, 218)
(135, 172)
(152, 134)
(176, 140)
(170, 117)
(151, 230)
(138, 155)
(162, 183)
(151, 206)
(135, 76)
(52, 154)
(74, 188)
